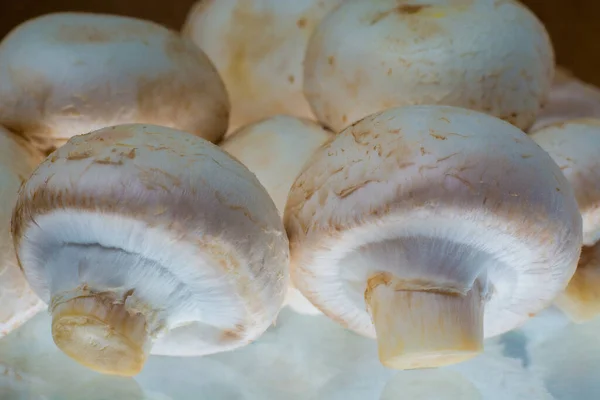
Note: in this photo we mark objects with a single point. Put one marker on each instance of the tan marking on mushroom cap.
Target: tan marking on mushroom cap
(575, 147)
(71, 73)
(18, 303)
(364, 57)
(424, 163)
(262, 68)
(175, 182)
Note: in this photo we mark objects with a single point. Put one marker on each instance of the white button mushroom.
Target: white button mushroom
(415, 223)
(17, 302)
(488, 55)
(575, 146)
(569, 99)
(141, 236)
(276, 149)
(66, 74)
(258, 48)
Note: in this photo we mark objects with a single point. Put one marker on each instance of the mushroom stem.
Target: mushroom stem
(421, 326)
(100, 333)
(581, 300)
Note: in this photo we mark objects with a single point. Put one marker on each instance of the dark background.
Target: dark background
(573, 24)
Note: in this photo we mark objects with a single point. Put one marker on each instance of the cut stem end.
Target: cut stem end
(424, 328)
(581, 299)
(101, 334)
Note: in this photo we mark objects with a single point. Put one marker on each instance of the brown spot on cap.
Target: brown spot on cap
(235, 334)
(411, 8)
(301, 23)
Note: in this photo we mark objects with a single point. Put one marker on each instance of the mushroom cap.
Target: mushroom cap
(575, 147)
(569, 99)
(18, 303)
(493, 56)
(275, 150)
(262, 68)
(205, 223)
(448, 195)
(66, 74)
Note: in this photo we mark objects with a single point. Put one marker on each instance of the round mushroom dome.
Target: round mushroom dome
(147, 239)
(66, 74)
(258, 48)
(487, 55)
(452, 218)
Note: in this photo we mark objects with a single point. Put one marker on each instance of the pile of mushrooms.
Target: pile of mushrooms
(374, 150)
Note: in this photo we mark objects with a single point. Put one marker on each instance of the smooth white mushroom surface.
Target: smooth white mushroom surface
(451, 218)
(66, 74)
(18, 303)
(493, 56)
(575, 146)
(569, 99)
(155, 236)
(275, 150)
(258, 48)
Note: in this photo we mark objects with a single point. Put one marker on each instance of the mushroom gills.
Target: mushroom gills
(581, 299)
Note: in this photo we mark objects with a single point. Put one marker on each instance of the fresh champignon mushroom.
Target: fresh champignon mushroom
(258, 48)
(488, 55)
(17, 302)
(569, 99)
(276, 149)
(142, 237)
(415, 223)
(575, 146)
(66, 74)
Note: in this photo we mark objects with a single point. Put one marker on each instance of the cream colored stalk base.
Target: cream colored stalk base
(419, 326)
(101, 335)
(581, 300)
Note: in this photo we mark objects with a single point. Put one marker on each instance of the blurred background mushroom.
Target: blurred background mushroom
(575, 146)
(67, 74)
(366, 56)
(258, 47)
(571, 23)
